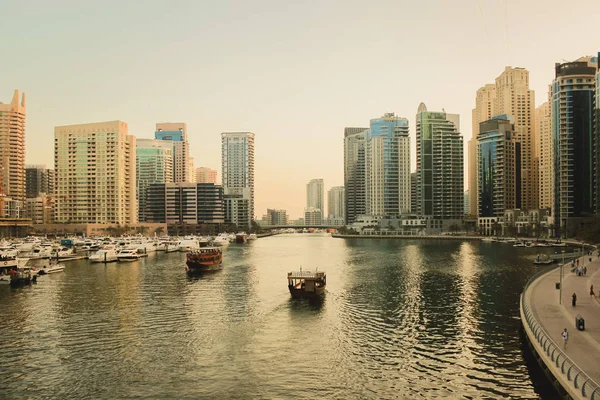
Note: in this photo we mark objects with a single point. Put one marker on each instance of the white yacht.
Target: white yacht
(221, 240)
(128, 255)
(39, 252)
(105, 255)
(188, 244)
(63, 252)
(50, 269)
(252, 236)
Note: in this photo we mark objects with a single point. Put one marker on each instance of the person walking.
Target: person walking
(574, 300)
(565, 336)
(592, 294)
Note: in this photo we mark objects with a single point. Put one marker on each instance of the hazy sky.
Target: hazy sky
(294, 74)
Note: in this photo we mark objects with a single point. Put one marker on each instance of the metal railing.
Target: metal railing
(579, 380)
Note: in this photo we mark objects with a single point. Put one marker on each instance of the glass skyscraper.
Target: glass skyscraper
(154, 164)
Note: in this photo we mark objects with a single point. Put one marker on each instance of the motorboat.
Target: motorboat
(304, 284)
(52, 268)
(241, 237)
(221, 240)
(128, 254)
(252, 236)
(105, 255)
(168, 246)
(63, 252)
(187, 244)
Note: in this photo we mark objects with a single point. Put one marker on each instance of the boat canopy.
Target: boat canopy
(306, 275)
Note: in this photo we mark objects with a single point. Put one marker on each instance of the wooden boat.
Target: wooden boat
(306, 283)
(204, 259)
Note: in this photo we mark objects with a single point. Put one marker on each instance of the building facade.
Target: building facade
(440, 165)
(237, 171)
(354, 173)
(543, 124)
(40, 209)
(277, 217)
(498, 169)
(176, 134)
(313, 216)
(185, 203)
(206, 175)
(12, 149)
(154, 164)
(387, 171)
(573, 98)
(414, 192)
(38, 179)
(315, 195)
(335, 202)
(95, 174)
(484, 102)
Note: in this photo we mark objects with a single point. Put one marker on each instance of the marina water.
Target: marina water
(400, 319)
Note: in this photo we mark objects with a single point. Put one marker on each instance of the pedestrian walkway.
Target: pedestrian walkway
(583, 347)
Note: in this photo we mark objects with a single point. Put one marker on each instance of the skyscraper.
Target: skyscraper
(315, 194)
(498, 168)
(206, 175)
(387, 171)
(95, 173)
(176, 134)
(335, 202)
(573, 97)
(440, 165)
(543, 124)
(237, 174)
(597, 145)
(484, 101)
(39, 179)
(12, 148)
(514, 98)
(154, 164)
(354, 173)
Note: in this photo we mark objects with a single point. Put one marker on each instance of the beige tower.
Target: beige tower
(513, 97)
(176, 133)
(12, 147)
(543, 124)
(95, 167)
(206, 175)
(483, 111)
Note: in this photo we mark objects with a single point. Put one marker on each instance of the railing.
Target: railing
(579, 380)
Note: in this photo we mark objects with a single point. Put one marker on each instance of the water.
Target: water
(400, 319)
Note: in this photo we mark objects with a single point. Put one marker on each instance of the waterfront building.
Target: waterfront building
(440, 165)
(185, 203)
(414, 192)
(387, 171)
(206, 175)
(335, 202)
(154, 164)
(95, 174)
(38, 179)
(276, 217)
(315, 194)
(483, 111)
(543, 124)
(514, 98)
(313, 216)
(466, 203)
(498, 170)
(354, 173)
(574, 143)
(12, 149)
(237, 174)
(176, 134)
(40, 209)
(597, 144)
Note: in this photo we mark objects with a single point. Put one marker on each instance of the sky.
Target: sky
(294, 73)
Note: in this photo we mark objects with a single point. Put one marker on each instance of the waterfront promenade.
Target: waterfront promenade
(583, 347)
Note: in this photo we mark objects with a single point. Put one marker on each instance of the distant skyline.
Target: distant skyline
(294, 74)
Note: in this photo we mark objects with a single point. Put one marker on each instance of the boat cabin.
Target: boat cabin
(306, 283)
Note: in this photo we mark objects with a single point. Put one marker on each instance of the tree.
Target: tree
(159, 231)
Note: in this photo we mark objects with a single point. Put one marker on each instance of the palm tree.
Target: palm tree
(159, 231)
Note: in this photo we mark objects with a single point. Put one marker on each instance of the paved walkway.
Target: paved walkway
(583, 346)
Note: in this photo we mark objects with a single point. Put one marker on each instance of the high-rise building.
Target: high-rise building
(335, 202)
(597, 145)
(315, 194)
(206, 175)
(440, 165)
(154, 164)
(95, 173)
(498, 169)
(414, 192)
(354, 173)
(313, 216)
(466, 205)
(176, 134)
(573, 98)
(237, 174)
(543, 124)
(277, 217)
(40, 209)
(38, 179)
(12, 148)
(387, 171)
(185, 203)
(484, 102)
(514, 98)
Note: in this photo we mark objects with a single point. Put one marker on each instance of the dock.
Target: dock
(546, 310)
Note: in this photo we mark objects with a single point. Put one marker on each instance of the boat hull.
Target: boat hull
(207, 259)
(303, 294)
(199, 267)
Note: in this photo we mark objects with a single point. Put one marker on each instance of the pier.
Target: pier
(546, 310)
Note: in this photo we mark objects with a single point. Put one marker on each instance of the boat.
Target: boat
(241, 237)
(63, 252)
(306, 283)
(52, 268)
(252, 236)
(519, 244)
(6, 272)
(23, 276)
(221, 240)
(128, 255)
(105, 255)
(169, 246)
(188, 244)
(543, 259)
(204, 259)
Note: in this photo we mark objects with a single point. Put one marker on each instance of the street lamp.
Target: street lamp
(561, 277)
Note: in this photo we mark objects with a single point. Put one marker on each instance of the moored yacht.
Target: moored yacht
(128, 255)
(105, 255)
